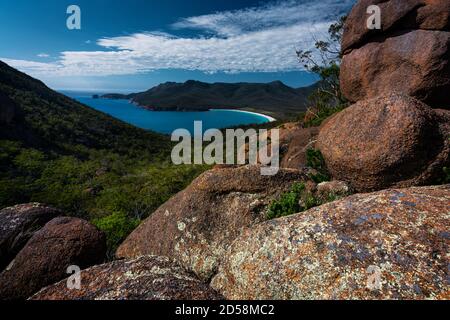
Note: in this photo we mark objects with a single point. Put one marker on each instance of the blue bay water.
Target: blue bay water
(164, 121)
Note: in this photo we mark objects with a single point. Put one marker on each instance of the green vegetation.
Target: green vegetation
(321, 111)
(62, 153)
(288, 203)
(105, 185)
(325, 60)
(315, 160)
(116, 228)
(445, 179)
(298, 199)
(93, 187)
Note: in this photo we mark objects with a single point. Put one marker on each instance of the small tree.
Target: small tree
(325, 61)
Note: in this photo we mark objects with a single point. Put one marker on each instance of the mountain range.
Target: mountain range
(273, 98)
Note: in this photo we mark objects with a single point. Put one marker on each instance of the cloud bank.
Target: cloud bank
(258, 39)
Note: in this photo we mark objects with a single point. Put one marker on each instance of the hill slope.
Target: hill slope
(38, 116)
(274, 98)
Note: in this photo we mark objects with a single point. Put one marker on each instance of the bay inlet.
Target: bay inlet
(167, 121)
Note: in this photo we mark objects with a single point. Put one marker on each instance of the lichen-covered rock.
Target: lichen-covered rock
(17, 226)
(197, 225)
(396, 15)
(386, 141)
(335, 187)
(392, 244)
(62, 242)
(145, 278)
(415, 63)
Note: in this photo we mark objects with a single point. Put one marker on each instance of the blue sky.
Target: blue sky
(136, 44)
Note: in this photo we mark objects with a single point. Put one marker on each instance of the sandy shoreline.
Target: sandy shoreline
(269, 118)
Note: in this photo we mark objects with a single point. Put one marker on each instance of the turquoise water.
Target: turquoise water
(166, 122)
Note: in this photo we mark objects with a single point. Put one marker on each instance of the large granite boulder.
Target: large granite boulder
(145, 278)
(386, 141)
(410, 54)
(44, 260)
(392, 244)
(17, 226)
(197, 225)
(414, 63)
(395, 15)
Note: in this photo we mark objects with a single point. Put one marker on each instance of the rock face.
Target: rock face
(391, 244)
(396, 15)
(62, 242)
(380, 68)
(297, 144)
(409, 55)
(335, 187)
(146, 278)
(386, 141)
(17, 226)
(197, 225)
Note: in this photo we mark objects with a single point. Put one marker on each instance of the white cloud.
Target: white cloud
(255, 39)
(274, 14)
(43, 55)
(32, 67)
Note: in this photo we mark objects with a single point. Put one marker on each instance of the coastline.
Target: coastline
(269, 118)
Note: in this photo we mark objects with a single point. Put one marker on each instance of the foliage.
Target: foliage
(116, 228)
(324, 61)
(315, 160)
(288, 203)
(298, 199)
(321, 111)
(445, 179)
(92, 188)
